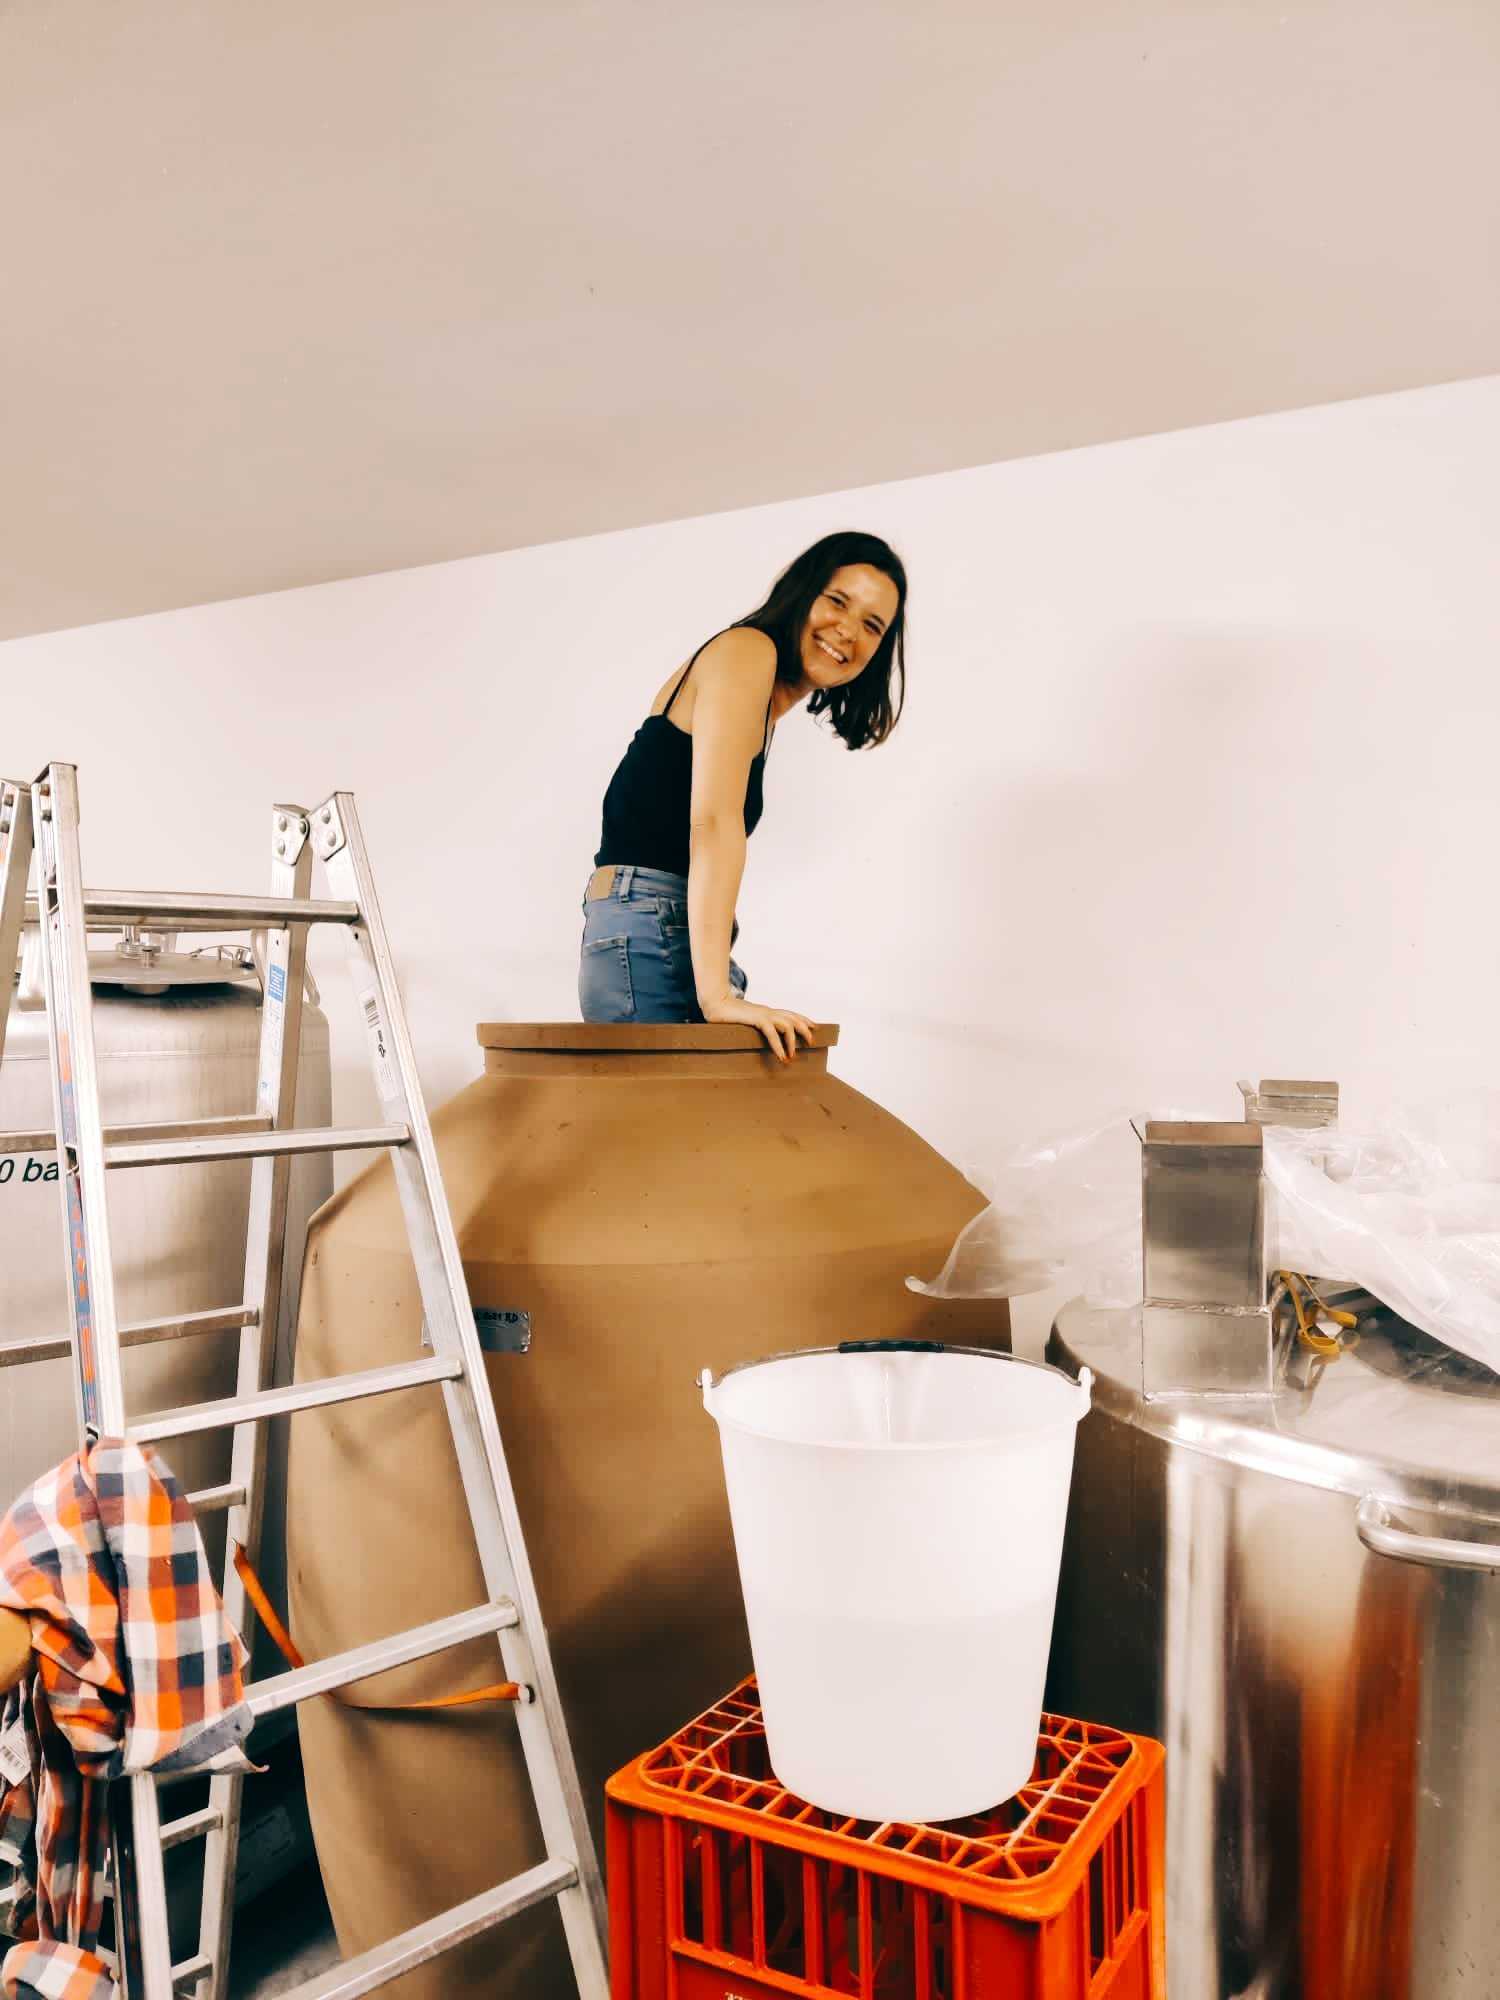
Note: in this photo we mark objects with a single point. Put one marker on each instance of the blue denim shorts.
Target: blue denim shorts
(636, 963)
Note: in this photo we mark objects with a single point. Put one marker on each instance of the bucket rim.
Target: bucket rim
(1083, 1382)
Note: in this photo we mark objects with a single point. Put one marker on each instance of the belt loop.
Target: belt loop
(623, 880)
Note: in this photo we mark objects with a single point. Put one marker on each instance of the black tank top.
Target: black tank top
(646, 808)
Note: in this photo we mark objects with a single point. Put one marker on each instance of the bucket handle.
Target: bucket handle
(892, 1347)
(708, 1382)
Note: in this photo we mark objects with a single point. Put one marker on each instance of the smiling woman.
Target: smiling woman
(659, 909)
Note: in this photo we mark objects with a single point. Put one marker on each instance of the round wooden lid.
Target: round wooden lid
(590, 1038)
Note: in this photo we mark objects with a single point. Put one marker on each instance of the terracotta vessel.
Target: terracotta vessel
(658, 1200)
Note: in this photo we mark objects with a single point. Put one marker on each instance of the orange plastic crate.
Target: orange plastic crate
(723, 1886)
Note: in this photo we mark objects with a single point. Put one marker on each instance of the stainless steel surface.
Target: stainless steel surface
(1203, 1242)
(1331, 1716)
(360, 1663)
(1291, 1101)
(1201, 1208)
(1378, 1531)
(1213, 1351)
(139, 962)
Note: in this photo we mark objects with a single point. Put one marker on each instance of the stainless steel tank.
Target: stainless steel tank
(178, 1037)
(1298, 1593)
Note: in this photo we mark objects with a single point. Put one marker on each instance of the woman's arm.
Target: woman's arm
(735, 676)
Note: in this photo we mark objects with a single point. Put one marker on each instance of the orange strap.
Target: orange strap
(255, 1591)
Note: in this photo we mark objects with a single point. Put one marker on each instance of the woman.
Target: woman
(659, 911)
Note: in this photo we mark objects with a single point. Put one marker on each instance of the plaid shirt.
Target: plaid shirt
(135, 1668)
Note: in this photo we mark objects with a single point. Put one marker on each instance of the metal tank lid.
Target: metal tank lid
(141, 962)
(600, 1038)
(1397, 1413)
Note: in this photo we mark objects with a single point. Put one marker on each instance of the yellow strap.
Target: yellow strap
(255, 1591)
(1326, 1344)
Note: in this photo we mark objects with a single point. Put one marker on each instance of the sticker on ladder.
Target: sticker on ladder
(273, 1032)
(380, 1049)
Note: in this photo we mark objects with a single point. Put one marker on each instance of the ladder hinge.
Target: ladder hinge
(327, 829)
(289, 831)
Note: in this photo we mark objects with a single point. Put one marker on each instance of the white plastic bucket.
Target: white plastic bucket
(898, 1515)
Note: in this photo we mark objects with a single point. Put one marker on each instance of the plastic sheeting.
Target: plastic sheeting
(1406, 1205)
(1067, 1208)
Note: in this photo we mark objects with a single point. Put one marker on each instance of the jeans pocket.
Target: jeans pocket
(605, 991)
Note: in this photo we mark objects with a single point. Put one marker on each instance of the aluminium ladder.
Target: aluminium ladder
(41, 821)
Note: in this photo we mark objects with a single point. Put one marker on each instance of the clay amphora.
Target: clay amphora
(658, 1200)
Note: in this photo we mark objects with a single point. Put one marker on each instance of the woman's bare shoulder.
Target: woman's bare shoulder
(738, 668)
(737, 658)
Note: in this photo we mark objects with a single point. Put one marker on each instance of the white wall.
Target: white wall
(1197, 777)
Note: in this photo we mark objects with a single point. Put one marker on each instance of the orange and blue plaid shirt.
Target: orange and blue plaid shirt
(135, 1668)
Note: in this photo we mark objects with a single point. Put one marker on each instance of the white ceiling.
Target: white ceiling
(299, 291)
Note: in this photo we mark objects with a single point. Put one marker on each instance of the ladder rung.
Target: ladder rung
(186, 1975)
(139, 1333)
(216, 1499)
(51, 1347)
(164, 910)
(28, 1142)
(228, 1410)
(193, 1826)
(360, 1662)
(46, 1142)
(401, 1954)
(255, 1145)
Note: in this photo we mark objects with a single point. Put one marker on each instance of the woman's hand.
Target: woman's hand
(15, 1650)
(779, 1025)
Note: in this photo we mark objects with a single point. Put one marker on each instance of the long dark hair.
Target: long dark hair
(864, 711)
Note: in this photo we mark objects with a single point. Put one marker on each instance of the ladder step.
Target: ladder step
(46, 1142)
(186, 1975)
(139, 1333)
(360, 1662)
(216, 1499)
(254, 1145)
(162, 910)
(398, 1955)
(229, 1410)
(193, 1826)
